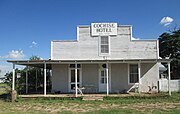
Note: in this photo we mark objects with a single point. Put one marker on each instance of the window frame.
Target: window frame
(72, 67)
(104, 54)
(129, 73)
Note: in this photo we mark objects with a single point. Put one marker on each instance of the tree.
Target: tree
(35, 78)
(34, 57)
(169, 47)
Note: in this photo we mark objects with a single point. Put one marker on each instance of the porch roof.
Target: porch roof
(40, 63)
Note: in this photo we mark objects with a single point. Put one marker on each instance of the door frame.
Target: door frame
(69, 78)
(99, 77)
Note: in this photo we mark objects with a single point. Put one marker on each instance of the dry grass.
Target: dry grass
(81, 106)
(115, 104)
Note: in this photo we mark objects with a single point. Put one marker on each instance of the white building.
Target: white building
(102, 59)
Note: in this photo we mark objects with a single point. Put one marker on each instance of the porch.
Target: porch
(47, 64)
(85, 96)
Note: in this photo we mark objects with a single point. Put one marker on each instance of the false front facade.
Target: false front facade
(106, 59)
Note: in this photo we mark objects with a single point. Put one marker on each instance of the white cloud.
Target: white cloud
(135, 38)
(4, 69)
(33, 44)
(166, 21)
(14, 54)
(7, 67)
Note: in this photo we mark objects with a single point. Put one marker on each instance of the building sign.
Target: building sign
(98, 29)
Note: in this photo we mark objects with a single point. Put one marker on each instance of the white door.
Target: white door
(72, 79)
(103, 80)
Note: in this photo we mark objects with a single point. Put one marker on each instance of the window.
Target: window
(103, 76)
(73, 66)
(133, 73)
(72, 76)
(104, 44)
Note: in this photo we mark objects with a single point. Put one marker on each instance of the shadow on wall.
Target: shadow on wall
(149, 85)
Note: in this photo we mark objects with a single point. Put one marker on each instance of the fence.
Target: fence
(174, 84)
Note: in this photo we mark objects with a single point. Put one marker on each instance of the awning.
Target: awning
(40, 63)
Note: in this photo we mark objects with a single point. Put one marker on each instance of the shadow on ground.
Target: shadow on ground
(5, 97)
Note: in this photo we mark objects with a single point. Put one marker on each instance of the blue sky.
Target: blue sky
(28, 26)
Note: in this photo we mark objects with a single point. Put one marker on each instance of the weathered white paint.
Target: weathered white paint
(149, 76)
(139, 76)
(13, 78)
(169, 78)
(60, 78)
(103, 86)
(44, 79)
(174, 84)
(119, 77)
(107, 75)
(52, 49)
(76, 79)
(69, 78)
(118, 80)
(90, 78)
(87, 47)
(157, 49)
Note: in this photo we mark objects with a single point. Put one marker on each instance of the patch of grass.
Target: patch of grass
(115, 111)
(4, 92)
(163, 97)
(161, 103)
(50, 100)
(174, 111)
(5, 97)
(66, 112)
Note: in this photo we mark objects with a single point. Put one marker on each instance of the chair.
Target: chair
(79, 89)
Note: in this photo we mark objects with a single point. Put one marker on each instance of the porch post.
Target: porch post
(44, 79)
(169, 79)
(76, 79)
(107, 77)
(13, 78)
(36, 80)
(27, 80)
(139, 76)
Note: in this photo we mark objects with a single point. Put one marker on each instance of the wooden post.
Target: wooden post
(27, 80)
(13, 78)
(13, 93)
(139, 77)
(107, 77)
(36, 80)
(169, 79)
(76, 79)
(44, 79)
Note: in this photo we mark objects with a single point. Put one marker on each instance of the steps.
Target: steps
(92, 98)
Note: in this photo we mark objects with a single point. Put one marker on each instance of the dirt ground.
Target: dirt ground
(84, 107)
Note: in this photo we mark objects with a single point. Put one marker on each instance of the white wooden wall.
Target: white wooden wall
(174, 84)
(86, 47)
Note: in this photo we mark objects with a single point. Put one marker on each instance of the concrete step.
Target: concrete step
(92, 98)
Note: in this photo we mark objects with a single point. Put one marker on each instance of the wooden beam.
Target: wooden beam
(139, 77)
(36, 80)
(13, 78)
(76, 79)
(44, 79)
(27, 79)
(169, 78)
(107, 77)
